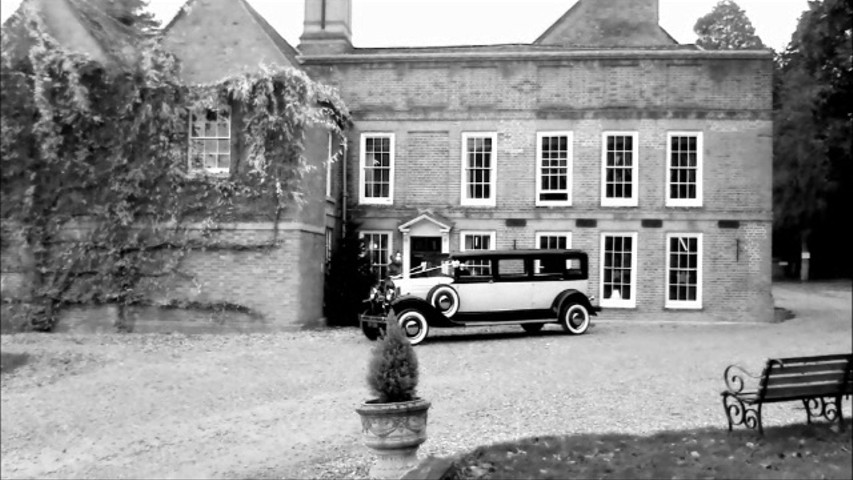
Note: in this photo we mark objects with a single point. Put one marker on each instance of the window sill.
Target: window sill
(683, 205)
(682, 307)
(553, 205)
(619, 205)
(618, 305)
(331, 200)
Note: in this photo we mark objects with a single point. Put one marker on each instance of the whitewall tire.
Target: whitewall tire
(414, 325)
(575, 319)
(445, 299)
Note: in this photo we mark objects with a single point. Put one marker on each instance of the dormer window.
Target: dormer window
(210, 141)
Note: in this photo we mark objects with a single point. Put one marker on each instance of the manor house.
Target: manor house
(604, 134)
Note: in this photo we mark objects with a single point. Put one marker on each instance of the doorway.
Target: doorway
(426, 253)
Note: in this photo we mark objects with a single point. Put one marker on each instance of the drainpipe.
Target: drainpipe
(344, 188)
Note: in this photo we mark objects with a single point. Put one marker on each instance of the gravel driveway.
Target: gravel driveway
(282, 405)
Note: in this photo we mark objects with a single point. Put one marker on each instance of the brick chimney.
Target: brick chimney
(327, 27)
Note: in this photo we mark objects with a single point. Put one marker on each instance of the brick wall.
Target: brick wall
(573, 84)
(429, 104)
(283, 284)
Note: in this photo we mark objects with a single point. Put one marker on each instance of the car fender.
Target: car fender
(433, 316)
(573, 296)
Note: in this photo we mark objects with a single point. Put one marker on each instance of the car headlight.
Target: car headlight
(390, 294)
(373, 293)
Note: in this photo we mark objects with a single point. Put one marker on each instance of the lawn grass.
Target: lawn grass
(789, 452)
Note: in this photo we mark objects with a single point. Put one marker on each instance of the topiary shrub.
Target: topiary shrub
(392, 374)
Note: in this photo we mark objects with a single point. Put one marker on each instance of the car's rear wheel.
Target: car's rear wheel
(532, 327)
(445, 299)
(414, 325)
(575, 319)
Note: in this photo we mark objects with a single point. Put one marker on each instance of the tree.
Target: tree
(131, 13)
(813, 120)
(726, 27)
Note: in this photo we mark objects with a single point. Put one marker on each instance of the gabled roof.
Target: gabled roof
(608, 23)
(79, 26)
(209, 53)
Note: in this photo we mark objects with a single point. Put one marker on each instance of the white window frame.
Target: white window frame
(493, 171)
(685, 304)
(218, 171)
(387, 259)
(569, 170)
(492, 240)
(362, 198)
(621, 202)
(466, 233)
(538, 236)
(684, 202)
(621, 303)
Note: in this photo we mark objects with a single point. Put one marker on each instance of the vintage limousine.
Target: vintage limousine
(488, 287)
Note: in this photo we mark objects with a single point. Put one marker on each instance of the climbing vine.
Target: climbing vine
(95, 178)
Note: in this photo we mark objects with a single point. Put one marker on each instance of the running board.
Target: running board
(475, 323)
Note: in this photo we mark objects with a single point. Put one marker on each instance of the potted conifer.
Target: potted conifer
(394, 423)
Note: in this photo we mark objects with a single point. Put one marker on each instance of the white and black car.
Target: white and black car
(488, 287)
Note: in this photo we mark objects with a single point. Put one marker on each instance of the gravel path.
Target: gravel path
(282, 405)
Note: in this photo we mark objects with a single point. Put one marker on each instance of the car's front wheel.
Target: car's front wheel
(575, 319)
(372, 333)
(414, 325)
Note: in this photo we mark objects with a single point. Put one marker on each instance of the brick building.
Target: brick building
(281, 286)
(604, 134)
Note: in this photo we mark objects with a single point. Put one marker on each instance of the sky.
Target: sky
(404, 23)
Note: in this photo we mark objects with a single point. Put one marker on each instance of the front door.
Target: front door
(426, 251)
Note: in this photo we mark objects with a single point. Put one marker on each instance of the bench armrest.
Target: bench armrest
(734, 377)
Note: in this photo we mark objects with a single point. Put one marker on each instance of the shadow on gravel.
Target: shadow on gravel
(11, 361)
(493, 336)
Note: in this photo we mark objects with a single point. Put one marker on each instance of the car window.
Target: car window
(512, 269)
(574, 269)
(474, 270)
(558, 268)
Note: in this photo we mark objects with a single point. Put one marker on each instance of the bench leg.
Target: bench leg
(760, 426)
(808, 411)
(828, 410)
(728, 413)
(737, 413)
(840, 415)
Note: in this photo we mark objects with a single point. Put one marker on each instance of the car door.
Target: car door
(507, 287)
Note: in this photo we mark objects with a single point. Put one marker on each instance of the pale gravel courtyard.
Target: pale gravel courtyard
(282, 405)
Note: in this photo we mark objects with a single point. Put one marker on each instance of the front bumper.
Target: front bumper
(372, 321)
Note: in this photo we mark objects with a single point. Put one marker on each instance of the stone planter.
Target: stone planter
(393, 431)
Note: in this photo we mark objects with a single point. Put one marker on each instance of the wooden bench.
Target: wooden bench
(819, 382)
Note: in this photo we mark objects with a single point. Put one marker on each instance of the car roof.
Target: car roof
(518, 253)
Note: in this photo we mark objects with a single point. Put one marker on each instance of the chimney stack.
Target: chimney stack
(327, 27)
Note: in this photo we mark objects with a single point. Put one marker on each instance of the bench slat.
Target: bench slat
(820, 358)
(832, 367)
(775, 380)
(819, 390)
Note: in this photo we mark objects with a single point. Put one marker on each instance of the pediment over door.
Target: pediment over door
(425, 224)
